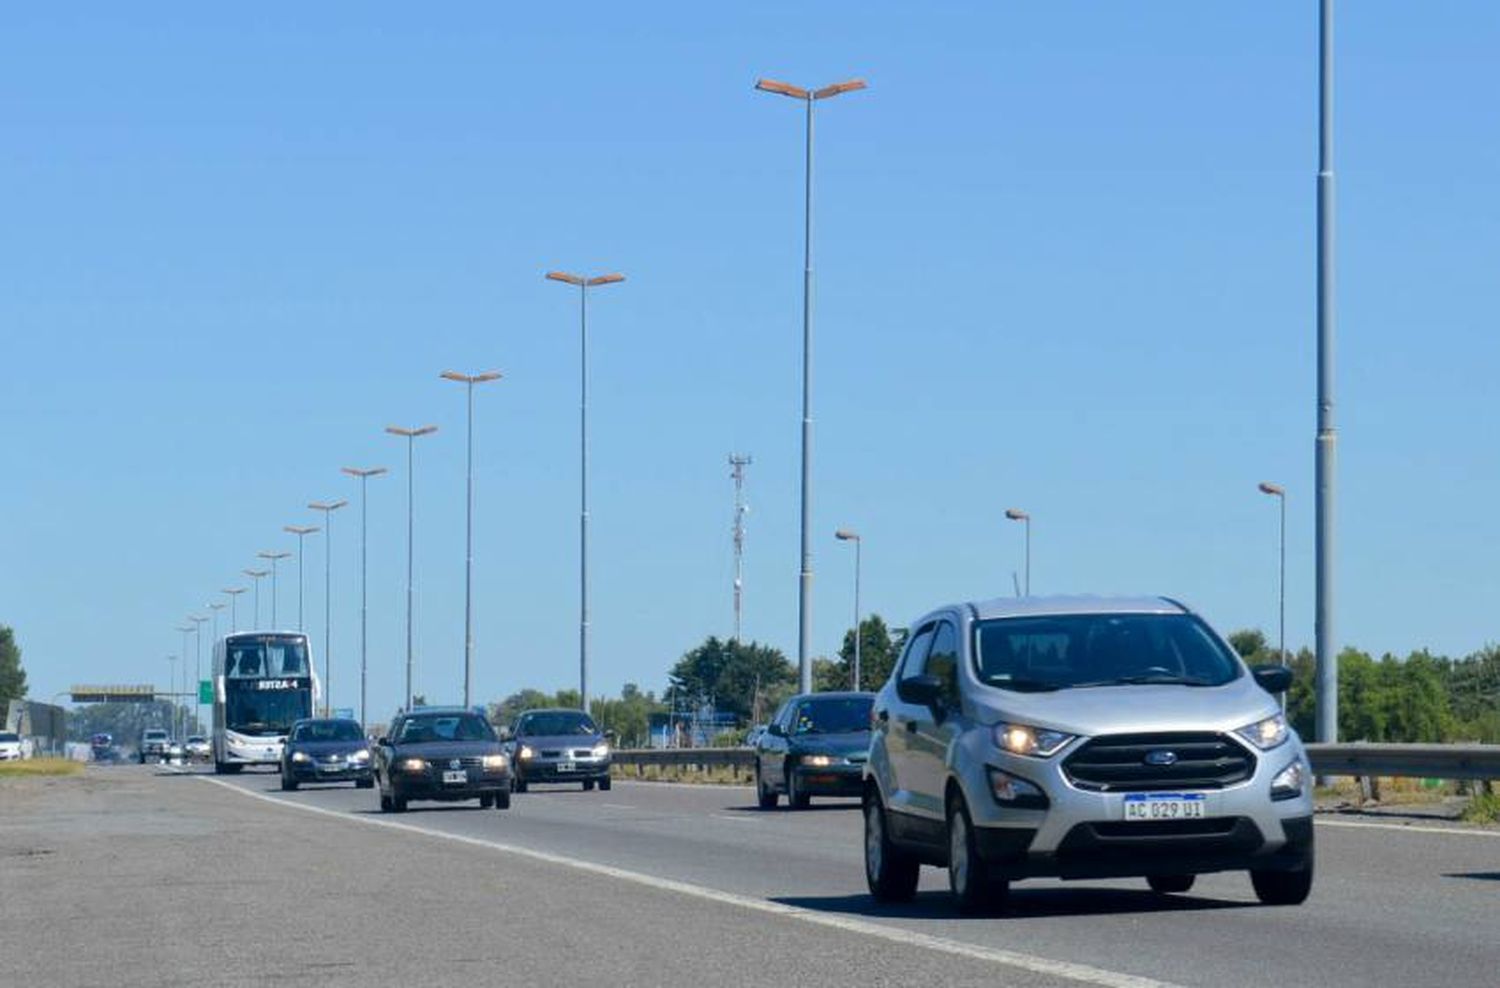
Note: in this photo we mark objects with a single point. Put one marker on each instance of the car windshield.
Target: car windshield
(1074, 651)
(329, 730)
(8, 738)
(196, 739)
(445, 727)
(833, 715)
(556, 723)
(154, 735)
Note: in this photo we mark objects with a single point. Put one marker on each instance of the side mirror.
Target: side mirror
(1272, 679)
(504, 734)
(924, 691)
(776, 731)
(609, 736)
(383, 741)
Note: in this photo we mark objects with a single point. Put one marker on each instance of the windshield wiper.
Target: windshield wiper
(1027, 685)
(1152, 679)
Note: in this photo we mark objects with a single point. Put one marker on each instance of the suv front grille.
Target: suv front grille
(1118, 762)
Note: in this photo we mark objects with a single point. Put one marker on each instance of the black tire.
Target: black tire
(517, 785)
(588, 785)
(795, 798)
(141, 758)
(764, 796)
(890, 872)
(385, 804)
(219, 768)
(605, 783)
(486, 801)
(364, 783)
(968, 879)
(1169, 884)
(502, 800)
(1283, 888)
(398, 804)
(288, 784)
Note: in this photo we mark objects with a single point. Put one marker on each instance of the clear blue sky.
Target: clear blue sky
(1064, 262)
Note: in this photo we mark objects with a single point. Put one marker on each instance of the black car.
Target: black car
(560, 745)
(441, 753)
(816, 745)
(326, 749)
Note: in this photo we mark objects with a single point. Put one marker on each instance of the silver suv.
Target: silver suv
(1082, 737)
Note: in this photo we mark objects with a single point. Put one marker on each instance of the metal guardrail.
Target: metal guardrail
(1431, 761)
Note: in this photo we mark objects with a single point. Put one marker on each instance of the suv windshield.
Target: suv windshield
(8, 738)
(555, 723)
(152, 734)
(445, 727)
(329, 730)
(833, 715)
(1071, 651)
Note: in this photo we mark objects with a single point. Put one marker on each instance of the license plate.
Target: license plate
(458, 776)
(1165, 806)
(567, 766)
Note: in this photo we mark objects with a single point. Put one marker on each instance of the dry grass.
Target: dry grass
(40, 766)
(691, 774)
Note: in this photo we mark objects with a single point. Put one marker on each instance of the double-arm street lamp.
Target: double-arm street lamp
(301, 531)
(274, 558)
(1279, 493)
(808, 97)
(1016, 514)
(363, 475)
(411, 436)
(846, 535)
(234, 612)
(583, 284)
(198, 622)
(328, 508)
(469, 380)
(256, 575)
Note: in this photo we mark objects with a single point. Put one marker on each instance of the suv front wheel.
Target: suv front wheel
(890, 872)
(968, 878)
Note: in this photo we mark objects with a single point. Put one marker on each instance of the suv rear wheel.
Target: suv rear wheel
(890, 872)
(968, 878)
(1167, 884)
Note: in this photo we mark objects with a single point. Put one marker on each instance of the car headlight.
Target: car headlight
(1288, 782)
(362, 755)
(1266, 734)
(820, 761)
(601, 751)
(1023, 739)
(524, 752)
(300, 756)
(412, 765)
(494, 761)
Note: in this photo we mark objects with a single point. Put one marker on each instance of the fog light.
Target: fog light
(1010, 790)
(1288, 782)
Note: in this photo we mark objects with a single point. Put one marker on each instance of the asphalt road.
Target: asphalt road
(650, 883)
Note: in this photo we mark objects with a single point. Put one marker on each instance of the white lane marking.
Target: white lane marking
(892, 934)
(1408, 829)
(742, 818)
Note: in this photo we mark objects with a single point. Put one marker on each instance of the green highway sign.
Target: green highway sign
(205, 691)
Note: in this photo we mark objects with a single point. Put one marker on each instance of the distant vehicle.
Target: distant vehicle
(102, 747)
(441, 753)
(10, 747)
(263, 683)
(559, 745)
(1083, 737)
(326, 750)
(198, 748)
(816, 745)
(153, 746)
(752, 736)
(176, 753)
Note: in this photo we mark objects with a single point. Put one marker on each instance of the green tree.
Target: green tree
(828, 675)
(12, 675)
(742, 678)
(1248, 642)
(878, 652)
(629, 716)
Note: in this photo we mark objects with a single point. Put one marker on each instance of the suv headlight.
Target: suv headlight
(362, 755)
(525, 752)
(494, 762)
(1023, 739)
(601, 751)
(1266, 734)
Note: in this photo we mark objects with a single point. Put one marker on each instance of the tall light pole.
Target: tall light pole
(256, 575)
(583, 284)
(172, 687)
(301, 531)
(469, 380)
(809, 97)
(234, 611)
(1327, 649)
(410, 436)
(186, 629)
(328, 508)
(363, 475)
(274, 558)
(1279, 493)
(845, 535)
(198, 622)
(1016, 514)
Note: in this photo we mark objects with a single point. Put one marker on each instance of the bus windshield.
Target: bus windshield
(265, 712)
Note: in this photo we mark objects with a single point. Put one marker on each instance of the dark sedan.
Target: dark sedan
(559, 746)
(325, 749)
(443, 754)
(816, 745)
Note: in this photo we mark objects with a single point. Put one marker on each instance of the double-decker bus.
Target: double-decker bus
(263, 683)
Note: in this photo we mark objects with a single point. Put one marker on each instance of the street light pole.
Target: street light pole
(469, 380)
(845, 535)
(363, 475)
(411, 441)
(301, 531)
(1016, 514)
(328, 508)
(172, 687)
(1278, 492)
(274, 557)
(256, 575)
(1327, 649)
(804, 595)
(583, 284)
(197, 660)
(234, 611)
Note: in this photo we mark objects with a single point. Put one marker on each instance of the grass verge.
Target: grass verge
(40, 766)
(723, 776)
(1483, 808)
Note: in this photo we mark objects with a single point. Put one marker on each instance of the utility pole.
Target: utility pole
(737, 463)
(1327, 439)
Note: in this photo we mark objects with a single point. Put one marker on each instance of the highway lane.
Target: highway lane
(1392, 905)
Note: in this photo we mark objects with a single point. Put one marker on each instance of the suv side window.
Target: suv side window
(942, 660)
(916, 652)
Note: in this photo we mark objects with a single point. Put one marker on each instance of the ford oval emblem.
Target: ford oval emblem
(1161, 757)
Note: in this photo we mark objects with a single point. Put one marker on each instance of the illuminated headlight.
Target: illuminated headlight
(1266, 734)
(494, 762)
(412, 765)
(360, 756)
(525, 753)
(301, 756)
(1022, 739)
(821, 761)
(1288, 782)
(601, 751)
